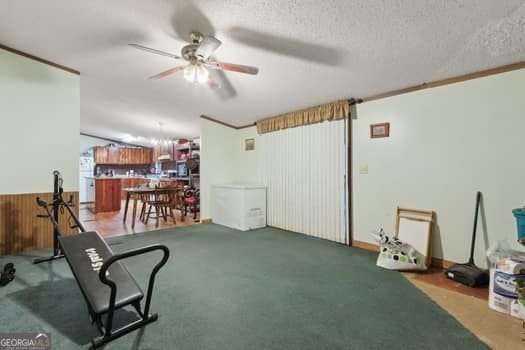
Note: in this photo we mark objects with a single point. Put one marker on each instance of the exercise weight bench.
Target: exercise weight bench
(103, 280)
(108, 286)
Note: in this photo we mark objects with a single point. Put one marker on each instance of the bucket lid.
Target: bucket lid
(518, 212)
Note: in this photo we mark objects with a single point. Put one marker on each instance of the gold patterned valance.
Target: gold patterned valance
(331, 111)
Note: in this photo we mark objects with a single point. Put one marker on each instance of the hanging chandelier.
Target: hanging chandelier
(159, 140)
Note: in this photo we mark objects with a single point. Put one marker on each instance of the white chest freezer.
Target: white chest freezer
(242, 207)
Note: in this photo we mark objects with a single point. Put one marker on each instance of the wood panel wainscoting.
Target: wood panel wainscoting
(21, 229)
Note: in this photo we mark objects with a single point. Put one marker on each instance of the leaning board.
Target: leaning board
(414, 226)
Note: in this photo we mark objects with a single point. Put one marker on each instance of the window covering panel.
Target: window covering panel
(304, 170)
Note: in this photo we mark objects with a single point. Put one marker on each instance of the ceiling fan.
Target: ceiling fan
(198, 54)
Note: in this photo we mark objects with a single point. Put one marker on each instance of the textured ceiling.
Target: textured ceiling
(308, 52)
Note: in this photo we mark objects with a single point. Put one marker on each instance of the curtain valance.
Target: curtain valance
(331, 111)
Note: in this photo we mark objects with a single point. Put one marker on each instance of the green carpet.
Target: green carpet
(226, 289)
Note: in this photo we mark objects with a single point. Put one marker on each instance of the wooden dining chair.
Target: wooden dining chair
(144, 199)
(160, 201)
(176, 203)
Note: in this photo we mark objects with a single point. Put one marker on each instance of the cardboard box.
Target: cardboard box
(503, 296)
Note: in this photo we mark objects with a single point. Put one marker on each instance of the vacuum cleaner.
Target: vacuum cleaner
(468, 273)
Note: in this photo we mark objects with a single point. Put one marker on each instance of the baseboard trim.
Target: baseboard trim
(365, 245)
(436, 262)
(206, 221)
(441, 263)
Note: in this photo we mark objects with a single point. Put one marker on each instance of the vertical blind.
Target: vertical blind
(304, 170)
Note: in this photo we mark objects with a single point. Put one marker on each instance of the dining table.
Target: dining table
(136, 193)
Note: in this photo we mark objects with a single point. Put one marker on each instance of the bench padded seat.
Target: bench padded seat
(97, 294)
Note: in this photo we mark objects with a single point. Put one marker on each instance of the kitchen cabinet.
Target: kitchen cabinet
(121, 155)
(140, 156)
(113, 155)
(101, 154)
(124, 155)
(166, 150)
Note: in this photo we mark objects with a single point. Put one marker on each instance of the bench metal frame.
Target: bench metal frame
(108, 334)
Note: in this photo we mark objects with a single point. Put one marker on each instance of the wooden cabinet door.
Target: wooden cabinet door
(97, 154)
(101, 155)
(123, 156)
(146, 156)
(114, 155)
(137, 156)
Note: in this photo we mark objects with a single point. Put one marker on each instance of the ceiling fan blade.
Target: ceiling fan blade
(303, 50)
(221, 84)
(233, 67)
(212, 82)
(208, 46)
(167, 72)
(158, 52)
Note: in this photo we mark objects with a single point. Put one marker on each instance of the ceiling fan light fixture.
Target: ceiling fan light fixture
(190, 73)
(202, 74)
(196, 73)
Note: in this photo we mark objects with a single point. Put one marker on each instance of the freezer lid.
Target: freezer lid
(240, 187)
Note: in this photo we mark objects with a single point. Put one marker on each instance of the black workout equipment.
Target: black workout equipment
(104, 281)
(8, 274)
(468, 273)
(57, 207)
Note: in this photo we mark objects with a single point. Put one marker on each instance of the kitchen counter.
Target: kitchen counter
(107, 194)
(148, 177)
(108, 189)
(104, 177)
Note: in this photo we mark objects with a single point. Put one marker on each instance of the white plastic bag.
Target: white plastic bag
(397, 255)
(500, 250)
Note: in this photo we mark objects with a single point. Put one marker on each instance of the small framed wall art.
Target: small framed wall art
(379, 130)
(249, 144)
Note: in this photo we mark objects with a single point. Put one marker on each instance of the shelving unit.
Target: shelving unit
(179, 152)
(185, 152)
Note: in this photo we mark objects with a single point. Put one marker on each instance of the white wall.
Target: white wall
(247, 161)
(446, 143)
(88, 142)
(217, 160)
(224, 160)
(39, 125)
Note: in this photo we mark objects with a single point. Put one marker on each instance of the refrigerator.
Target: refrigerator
(86, 170)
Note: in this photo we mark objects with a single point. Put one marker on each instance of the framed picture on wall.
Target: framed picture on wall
(379, 130)
(249, 144)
